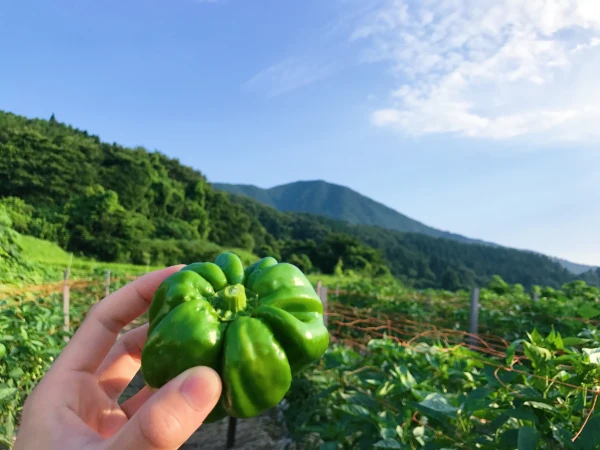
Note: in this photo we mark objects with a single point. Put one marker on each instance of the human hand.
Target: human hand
(75, 406)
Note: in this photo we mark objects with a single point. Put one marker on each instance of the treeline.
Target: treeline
(418, 260)
(119, 204)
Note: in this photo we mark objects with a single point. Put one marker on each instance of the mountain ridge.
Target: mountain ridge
(340, 202)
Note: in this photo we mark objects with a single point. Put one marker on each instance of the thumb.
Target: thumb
(173, 413)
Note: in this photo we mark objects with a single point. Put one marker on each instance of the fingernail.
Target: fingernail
(201, 386)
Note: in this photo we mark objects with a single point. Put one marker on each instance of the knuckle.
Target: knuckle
(131, 346)
(92, 311)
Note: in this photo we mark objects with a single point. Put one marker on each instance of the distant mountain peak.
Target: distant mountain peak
(340, 202)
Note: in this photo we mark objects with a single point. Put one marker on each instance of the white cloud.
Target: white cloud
(288, 75)
(488, 68)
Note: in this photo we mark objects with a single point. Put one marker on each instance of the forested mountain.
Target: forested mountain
(591, 277)
(339, 202)
(426, 261)
(572, 267)
(121, 204)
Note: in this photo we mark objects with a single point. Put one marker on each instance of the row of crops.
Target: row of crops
(31, 336)
(400, 372)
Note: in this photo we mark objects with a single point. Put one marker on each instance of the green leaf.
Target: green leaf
(438, 403)
(527, 392)
(538, 355)
(328, 446)
(387, 387)
(522, 413)
(528, 438)
(567, 359)
(388, 433)
(540, 405)
(587, 311)
(476, 400)
(563, 436)
(6, 392)
(555, 340)
(506, 377)
(36, 343)
(509, 439)
(17, 372)
(405, 377)
(400, 431)
(5, 443)
(510, 351)
(573, 341)
(590, 436)
(498, 422)
(356, 411)
(387, 443)
(361, 399)
(9, 425)
(535, 337)
(328, 391)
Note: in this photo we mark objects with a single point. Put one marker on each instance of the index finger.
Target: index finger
(100, 329)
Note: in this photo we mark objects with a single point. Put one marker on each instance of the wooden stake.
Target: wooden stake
(474, 317)
(107, 284)
(324, 301)
(66, 303)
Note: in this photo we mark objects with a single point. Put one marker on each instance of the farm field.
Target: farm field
(427, 167)
(401, 372)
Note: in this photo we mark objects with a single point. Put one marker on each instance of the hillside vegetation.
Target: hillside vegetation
(129, 205)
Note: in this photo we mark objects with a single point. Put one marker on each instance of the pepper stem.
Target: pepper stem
(232, 298)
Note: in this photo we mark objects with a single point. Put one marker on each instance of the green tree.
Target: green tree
(9, 238)
(302, 262)
(338, 270)
(450, 280)
(498, 285)
(20, 213)
(102, 227)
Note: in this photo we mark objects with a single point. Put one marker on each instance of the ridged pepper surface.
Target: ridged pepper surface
(256, 327)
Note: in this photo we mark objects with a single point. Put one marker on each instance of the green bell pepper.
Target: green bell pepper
(256, 327)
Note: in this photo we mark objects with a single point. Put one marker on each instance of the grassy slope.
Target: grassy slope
(50, 254)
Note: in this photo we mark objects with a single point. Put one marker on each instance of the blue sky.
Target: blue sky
(474, 116)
